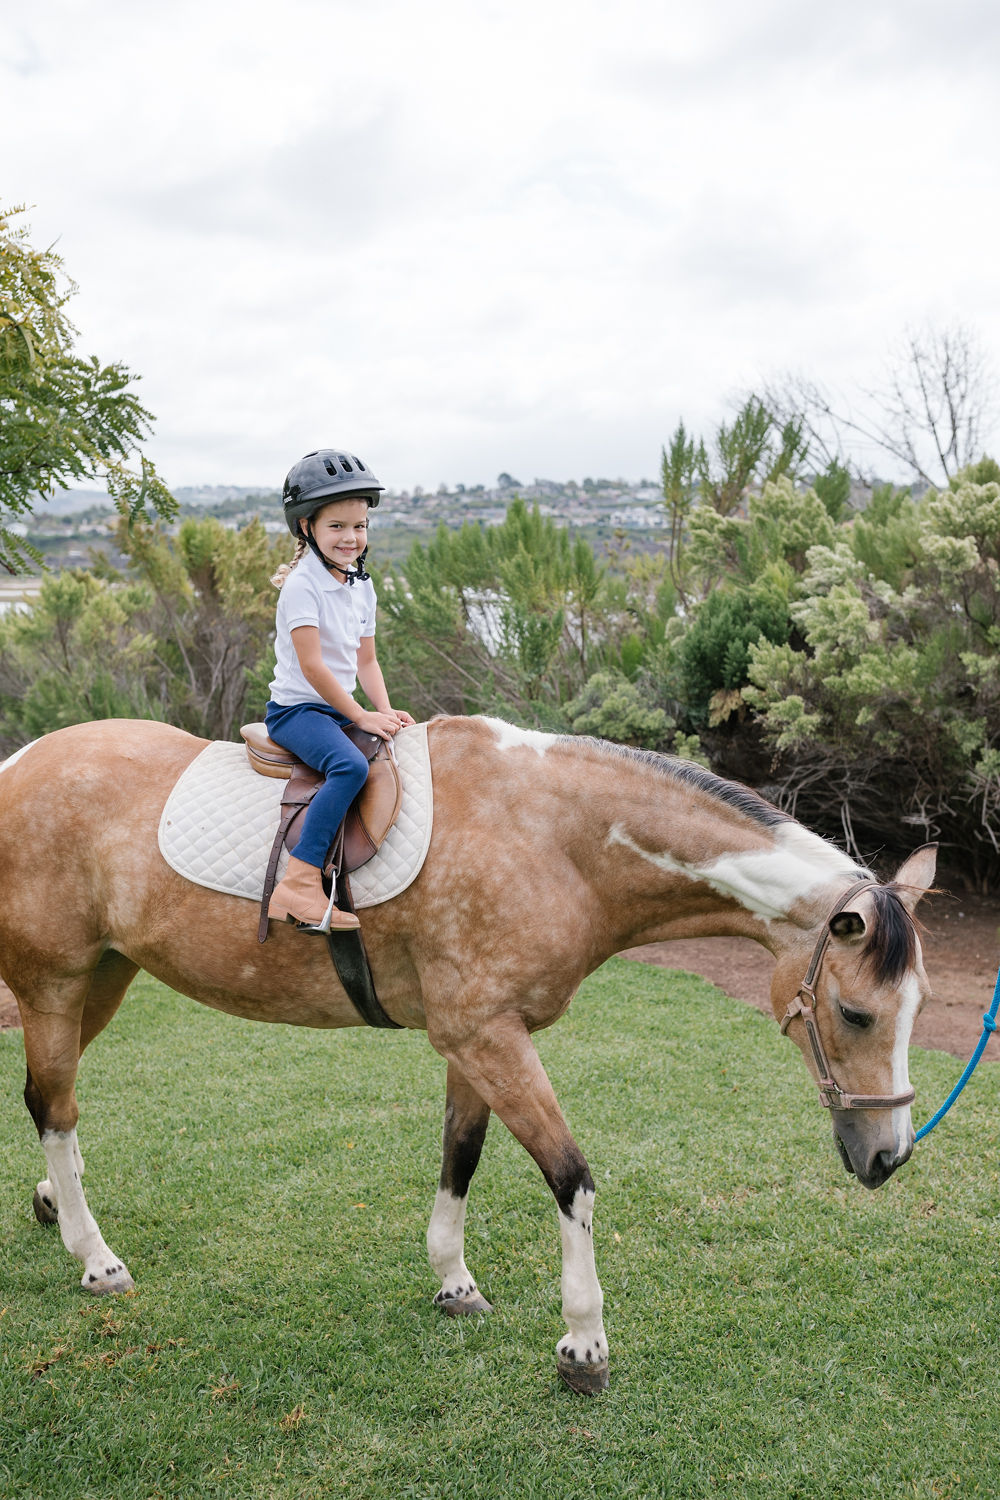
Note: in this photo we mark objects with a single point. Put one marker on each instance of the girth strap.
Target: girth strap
(346, 948)
(350, 959)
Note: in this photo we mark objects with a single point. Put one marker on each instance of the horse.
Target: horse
(548, 854)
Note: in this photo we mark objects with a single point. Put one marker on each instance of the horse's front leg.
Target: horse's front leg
(465, 1121)
(506, 1073)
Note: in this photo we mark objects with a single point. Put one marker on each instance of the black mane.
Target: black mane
(689, 773)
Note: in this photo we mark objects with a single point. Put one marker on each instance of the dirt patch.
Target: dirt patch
(961, 955)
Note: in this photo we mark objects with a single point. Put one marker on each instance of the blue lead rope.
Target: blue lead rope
(989, 1026)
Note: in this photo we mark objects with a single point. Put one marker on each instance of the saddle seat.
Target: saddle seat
(370, 816)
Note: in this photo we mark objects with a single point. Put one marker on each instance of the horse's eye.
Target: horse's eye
(859, 1018)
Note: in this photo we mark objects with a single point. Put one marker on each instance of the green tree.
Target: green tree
(77, 653)
(754, 450)
(678, 471)
(613, 708)
(506, 618)
(210, 610)
(714, 653)
(741, 459)
(883, 710)
(186, 636)
(63, 418)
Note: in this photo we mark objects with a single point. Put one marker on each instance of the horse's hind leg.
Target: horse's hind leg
(53, 1040)
(505, 1071)
(465, 1121)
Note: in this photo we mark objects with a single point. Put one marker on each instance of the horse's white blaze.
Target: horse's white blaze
(582, 1298)
(6, 764)
(766, 882)
(510, 737)
(905, 1017)
(102, 1270)
(446, 1246)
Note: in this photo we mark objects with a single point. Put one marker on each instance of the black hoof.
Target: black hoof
(585, 1380)
(461, 1307)
(45, 1213)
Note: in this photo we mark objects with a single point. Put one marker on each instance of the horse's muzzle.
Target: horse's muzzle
(865, 1151)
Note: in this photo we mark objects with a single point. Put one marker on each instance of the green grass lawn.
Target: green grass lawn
(775, 1330)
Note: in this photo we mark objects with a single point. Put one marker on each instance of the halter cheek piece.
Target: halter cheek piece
(831, 1095)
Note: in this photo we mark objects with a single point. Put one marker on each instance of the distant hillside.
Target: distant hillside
(70, 502)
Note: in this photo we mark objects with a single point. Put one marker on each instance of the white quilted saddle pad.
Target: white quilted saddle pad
(219, 823)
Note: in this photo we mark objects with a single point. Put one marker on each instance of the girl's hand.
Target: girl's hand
(384, 725)
(403, 716)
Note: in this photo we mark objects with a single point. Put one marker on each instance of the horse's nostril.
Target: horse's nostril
(894, 1159)
(884, 1163)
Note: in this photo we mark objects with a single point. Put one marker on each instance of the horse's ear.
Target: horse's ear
(915, 875)
(848, 925)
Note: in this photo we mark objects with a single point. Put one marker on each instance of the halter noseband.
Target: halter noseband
(831, 1095)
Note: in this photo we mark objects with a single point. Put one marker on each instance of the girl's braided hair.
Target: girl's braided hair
(301, 548)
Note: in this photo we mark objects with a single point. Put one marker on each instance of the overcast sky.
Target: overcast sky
(461, 236)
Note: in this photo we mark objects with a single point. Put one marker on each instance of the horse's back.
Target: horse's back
(57, 774)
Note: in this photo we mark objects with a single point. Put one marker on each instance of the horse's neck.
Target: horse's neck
(678, 863)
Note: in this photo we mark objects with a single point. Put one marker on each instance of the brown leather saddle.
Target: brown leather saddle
(369, 819)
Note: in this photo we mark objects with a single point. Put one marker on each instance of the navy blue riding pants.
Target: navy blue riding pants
(313, 732)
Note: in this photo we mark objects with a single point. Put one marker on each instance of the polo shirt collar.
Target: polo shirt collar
(316, 570)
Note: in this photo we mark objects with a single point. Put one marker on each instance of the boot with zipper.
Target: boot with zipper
(299, 897)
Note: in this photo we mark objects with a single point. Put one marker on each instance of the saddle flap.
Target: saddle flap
(372, 814)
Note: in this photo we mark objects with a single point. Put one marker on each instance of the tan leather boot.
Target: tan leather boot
(300, 898)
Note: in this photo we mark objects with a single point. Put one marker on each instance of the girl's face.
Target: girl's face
(341, 531)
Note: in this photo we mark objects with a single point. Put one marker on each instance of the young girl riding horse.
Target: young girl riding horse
(325, 646)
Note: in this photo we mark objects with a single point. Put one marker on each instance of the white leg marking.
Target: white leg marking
(583, 1301)
(446, 1249)
(102, 1270)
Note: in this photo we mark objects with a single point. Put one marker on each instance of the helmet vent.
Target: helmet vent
(346, 463)
(330, 467)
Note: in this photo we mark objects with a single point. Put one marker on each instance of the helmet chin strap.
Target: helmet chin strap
(351, 576)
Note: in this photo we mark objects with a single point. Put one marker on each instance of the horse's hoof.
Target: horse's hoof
(585, 1380)
(107, 1282)
(45, 1209)
(460, 1307)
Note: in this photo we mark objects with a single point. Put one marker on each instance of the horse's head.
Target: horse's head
(851, 1013)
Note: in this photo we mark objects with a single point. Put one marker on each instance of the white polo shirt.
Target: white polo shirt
(344, 614)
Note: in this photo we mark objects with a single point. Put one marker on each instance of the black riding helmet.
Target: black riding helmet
(324, 475)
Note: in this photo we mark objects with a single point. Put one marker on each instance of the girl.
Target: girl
(325, 645)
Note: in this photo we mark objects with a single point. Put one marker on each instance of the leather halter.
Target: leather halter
(831, 1095)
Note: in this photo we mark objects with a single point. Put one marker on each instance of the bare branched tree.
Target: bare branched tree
(931, 411)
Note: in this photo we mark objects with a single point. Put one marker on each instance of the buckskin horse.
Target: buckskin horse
(548, 855)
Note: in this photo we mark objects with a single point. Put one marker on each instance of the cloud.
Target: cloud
(496, 236)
